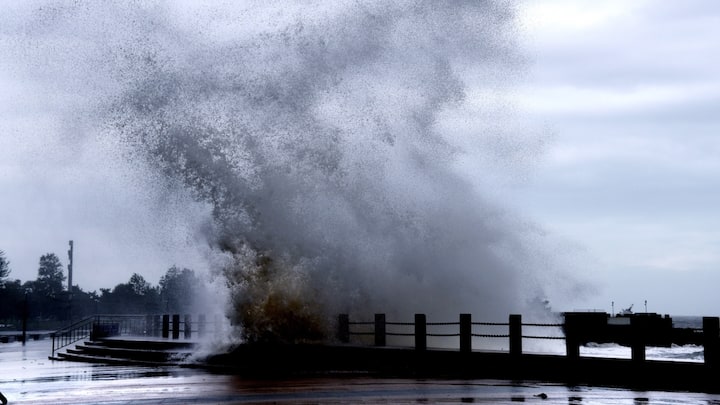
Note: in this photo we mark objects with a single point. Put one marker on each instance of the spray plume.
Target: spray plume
(315, 135)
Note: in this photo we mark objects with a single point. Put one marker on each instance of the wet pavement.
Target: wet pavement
(28, 377)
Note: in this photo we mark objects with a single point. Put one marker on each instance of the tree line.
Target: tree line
(45, 300)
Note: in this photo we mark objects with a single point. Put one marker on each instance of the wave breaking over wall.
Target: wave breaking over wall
(315, 134)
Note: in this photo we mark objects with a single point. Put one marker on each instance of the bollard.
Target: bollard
(465, 333)
(201, 325)
(166, 326)
(176, 326)
(420, 332)
(188, 326)
(515, 332)
(572, 337)
(711, 340)
(343, 331)
(380, 330)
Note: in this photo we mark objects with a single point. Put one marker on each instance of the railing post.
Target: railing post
(638, 338)
(711, 340)
(515, 332)
(201, 325)
(343, 331)
(465, 333)
(420, 332)
(157, 329)
(166, 326)
(380, 330)
(148, 329)
(25, 314)
(176, 326)
(572, 337)
(188, 326)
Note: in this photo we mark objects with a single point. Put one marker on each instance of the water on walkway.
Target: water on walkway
(28, 377)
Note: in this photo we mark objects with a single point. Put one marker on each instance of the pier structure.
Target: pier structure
(578, 329)
(386, 347)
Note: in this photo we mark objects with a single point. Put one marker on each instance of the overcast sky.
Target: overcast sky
(629, 93)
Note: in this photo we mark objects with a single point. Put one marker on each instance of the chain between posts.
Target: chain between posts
(420, 333)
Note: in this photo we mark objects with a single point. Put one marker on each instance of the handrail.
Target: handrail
(74, 325)
(132, 324)
(381, 328)
(573, 333)
(71, 334)
(83, 329)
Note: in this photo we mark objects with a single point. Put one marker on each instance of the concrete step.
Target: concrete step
(112, 360)
(125, 353)
(143, 344)
(135, 351)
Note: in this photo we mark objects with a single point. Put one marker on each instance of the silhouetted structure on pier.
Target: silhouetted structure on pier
(657, 330)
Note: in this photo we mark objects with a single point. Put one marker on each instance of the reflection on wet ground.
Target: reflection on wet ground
(28, 377)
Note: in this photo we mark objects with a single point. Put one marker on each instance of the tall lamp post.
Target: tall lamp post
(70, 284)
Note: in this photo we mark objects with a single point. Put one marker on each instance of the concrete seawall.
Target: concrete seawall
(347, 357)
(274, 360)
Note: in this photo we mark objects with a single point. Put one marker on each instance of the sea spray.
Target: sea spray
(313, 134)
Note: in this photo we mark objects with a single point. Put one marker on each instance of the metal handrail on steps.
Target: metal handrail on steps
(99, 326)
(70, 334)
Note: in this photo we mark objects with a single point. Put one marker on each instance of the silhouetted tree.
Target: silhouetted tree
(8, 292)
(178, 288)
(50, 275)
(136, 296)
(47, 290)
(12, 295)
(145, 294)
(4, 267)
(122, 300)
(84, 303)
(139, 285)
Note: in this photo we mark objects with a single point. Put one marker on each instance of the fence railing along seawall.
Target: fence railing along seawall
(572, 332)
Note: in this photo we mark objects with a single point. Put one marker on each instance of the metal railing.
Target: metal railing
(464, 329)
(156, 326)
(71, 334)
(572, 331)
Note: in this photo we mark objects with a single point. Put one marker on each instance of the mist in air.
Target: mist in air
(325, 158)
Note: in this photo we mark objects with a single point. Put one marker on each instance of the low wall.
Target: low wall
(273, 360)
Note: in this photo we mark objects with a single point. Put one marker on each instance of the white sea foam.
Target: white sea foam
(689, 353)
